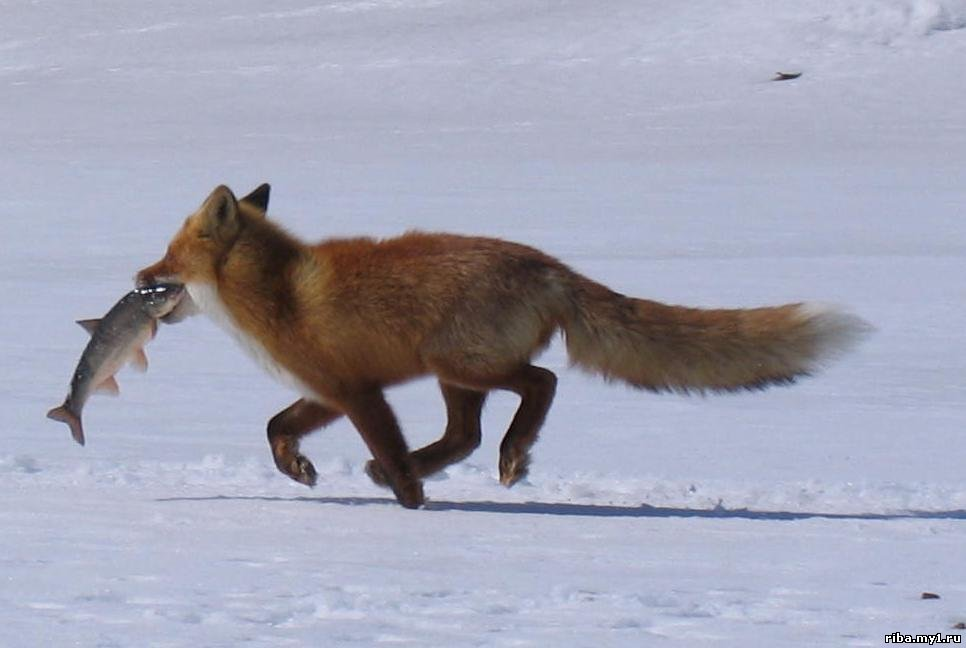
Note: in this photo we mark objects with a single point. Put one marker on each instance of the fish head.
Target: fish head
(160, 299)
(206, 238)
(183, 310)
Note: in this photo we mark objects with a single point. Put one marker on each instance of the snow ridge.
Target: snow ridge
(471, 487)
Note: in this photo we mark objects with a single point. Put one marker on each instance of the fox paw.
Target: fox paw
(513, 469)
(301, 470)
(377, 474)
(410, 494)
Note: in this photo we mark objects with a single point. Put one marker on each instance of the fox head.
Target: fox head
(206, 238)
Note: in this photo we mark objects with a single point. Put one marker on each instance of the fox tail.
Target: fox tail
(660, 347)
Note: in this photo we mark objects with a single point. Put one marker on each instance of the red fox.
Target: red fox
(343, 319)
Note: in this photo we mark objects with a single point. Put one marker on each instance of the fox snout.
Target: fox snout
(162, 273)
(159, 272)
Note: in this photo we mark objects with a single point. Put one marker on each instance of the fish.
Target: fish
(116, 339)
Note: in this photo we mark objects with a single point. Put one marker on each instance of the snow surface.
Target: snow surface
(642, 142)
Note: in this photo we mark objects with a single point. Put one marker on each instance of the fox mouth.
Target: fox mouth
(173, 291)
(167, 296)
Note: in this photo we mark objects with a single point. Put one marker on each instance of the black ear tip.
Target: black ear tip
(259, 197)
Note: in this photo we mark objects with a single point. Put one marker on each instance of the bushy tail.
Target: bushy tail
(673, 348)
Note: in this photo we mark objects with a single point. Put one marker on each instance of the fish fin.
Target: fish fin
(89, 325)
(64, 415)
(108, 386)
(139, 360)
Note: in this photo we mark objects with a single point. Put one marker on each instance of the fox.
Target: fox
(342, 320)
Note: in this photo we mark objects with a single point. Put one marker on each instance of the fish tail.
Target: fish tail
(64, 414)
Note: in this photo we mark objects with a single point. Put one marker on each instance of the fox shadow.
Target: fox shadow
(593, 510)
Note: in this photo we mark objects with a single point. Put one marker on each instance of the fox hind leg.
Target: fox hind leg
(287, 427)
(536, 387)
(462, 435)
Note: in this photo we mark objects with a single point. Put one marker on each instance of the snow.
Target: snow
(641, 142)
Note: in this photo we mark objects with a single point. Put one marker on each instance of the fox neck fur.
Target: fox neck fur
(206, 298)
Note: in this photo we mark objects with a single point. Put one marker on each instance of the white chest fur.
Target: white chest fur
(205, 297)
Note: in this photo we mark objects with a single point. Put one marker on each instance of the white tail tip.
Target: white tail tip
(833, 330)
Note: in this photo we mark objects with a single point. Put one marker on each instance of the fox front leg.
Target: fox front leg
(286, 429)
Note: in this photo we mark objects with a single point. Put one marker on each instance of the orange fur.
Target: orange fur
(343, 319)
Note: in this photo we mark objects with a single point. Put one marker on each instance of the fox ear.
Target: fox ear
(219, 215)
(259, 197)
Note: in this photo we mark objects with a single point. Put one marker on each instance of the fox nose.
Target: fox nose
(146, 278)
(143, 280)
